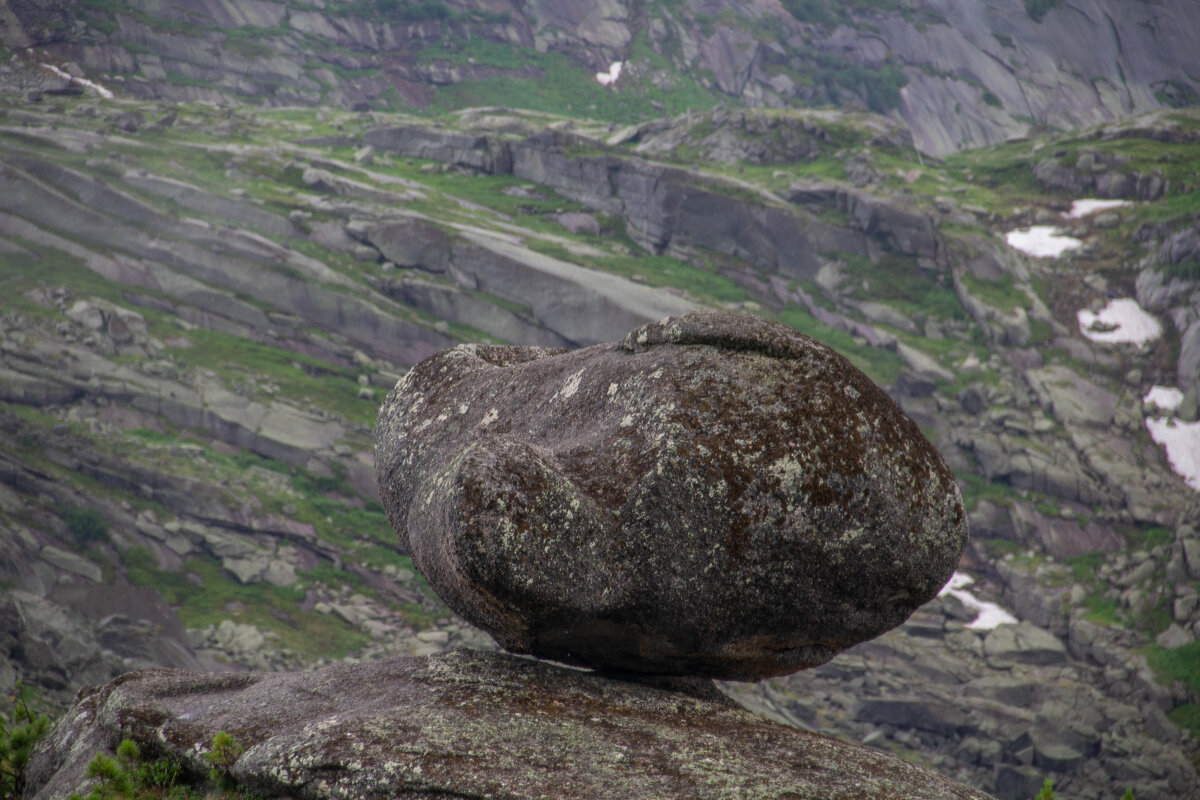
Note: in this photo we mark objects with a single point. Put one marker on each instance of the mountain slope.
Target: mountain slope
(959, 74)
(203, 305)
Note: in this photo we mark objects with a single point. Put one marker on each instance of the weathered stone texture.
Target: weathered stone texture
(468, 724)
(716, 495)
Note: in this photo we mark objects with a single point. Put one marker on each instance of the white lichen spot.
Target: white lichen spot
(489, 418)
(851, 392)
(443, 417)
(627, 421)
(462, 409)
(788, 471)
(571, 386)
(656, 374)
(849, 535)
(643, 337)
(612, 389)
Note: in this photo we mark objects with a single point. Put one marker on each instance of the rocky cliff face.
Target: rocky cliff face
(204, 306)
(959, 74)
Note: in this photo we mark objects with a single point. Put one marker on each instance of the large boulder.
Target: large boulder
(466, 724)
(715, 495)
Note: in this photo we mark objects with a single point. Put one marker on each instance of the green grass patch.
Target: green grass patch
(897, 281)
(1002, 294)
(154, 437)
(368, 523)
(302, 379)
(250, 41)
(1180, 664)
(976, 488)
(999, 548)
(50, 267)
(1186, 716)
(1151, 538)
(1157, 618)
(1084, 567)
(1102, 610)
(494, 192)
(882, 366)
(562, 86)
(206, 601)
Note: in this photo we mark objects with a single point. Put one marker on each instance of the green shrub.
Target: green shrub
(223, 754)
(18, 735)
(129, 777)
(113, 779)
(86, 523)
(879, 88)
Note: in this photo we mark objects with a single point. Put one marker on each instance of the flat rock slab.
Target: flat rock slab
(716, 495)
(468, 724)
(1023, 643)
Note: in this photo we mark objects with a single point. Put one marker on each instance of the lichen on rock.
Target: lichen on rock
(467, 724)
(715, 495)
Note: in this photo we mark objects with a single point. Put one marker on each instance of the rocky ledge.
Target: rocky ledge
(467, 724)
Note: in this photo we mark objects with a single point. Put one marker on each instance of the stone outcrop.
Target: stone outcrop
(578, 306)
(714, 495)
(202, 266)
(467, 725)
(668, 208)
(759, 136)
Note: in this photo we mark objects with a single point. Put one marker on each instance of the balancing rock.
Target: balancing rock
(716, 495)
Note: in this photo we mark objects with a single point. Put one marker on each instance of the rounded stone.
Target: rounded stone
(716, 495)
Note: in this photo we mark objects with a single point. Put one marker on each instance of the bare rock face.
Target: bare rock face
(716, 495)
(32, 23)
(464, 725)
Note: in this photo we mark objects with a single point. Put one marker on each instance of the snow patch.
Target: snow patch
(1043, 241)
(987, 615)
(1182, 442)
(105, 93)
(1122, 320)
(1167, 398)
(1082, 208)
(610, 77)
